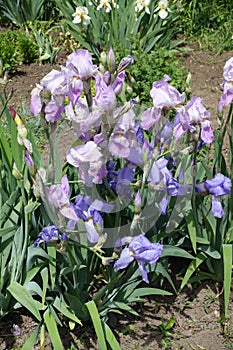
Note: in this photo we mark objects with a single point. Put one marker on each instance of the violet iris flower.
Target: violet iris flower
(141, 250)
(50, 234)
(120, 180)
(16, 330)
(89, 212)
(217, 209)
(219, 186)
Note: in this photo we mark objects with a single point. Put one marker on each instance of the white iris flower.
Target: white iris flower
(163, 9)
(81, 15)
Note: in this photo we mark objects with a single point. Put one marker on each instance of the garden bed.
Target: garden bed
(197, 310)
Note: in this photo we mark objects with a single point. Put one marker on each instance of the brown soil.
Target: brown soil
(197, 310)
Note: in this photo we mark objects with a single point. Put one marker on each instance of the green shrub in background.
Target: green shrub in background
(152, 66)
(16, 47)
(19, 12)
(209, 22)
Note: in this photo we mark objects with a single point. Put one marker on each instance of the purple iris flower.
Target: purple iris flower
(120, 180)
(139, 133)
(16, 330)
(30, 163)
(50, 234)
(124, 179)
(219, 186)
(89, 212)
(118, 83)
(217, 209)
(174, 188)
(165, 133)
(125, 62)
(141, 250)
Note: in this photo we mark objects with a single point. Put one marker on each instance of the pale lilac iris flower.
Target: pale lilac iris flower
(192, 115)
(105, 98)
(227, 86)
(228, 70)
(150, 117)
(141, 250)
(165, 95)
(59, 197)
(123, 137)
(89, 162)
(49, 96)
(80, 62)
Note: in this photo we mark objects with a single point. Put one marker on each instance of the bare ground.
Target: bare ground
(197, 311)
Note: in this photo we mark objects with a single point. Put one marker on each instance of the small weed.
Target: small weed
(165, 329)
(208, 301)
(129, 329)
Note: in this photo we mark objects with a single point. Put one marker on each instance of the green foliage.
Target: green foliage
(16, 47)
(122, 26)
(209, 237)
(152, 66)
(205, 14)
(19, 12)
(208, 22)
(44, 41)
(17, 209)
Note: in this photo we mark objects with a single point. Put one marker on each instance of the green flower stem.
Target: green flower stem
(90, 249)
(24, 231)
(193, 198)
(52, 144)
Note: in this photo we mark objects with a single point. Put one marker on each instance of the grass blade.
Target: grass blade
(192, 268)
(111, 339)
(97, 324)
(25, 299)
(227, 263)
(31, 341)
(53, 331)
